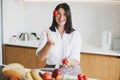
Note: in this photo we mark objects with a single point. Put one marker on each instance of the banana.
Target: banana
(28, 76)
(35, 75)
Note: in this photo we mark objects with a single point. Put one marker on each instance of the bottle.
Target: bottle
(106, 40)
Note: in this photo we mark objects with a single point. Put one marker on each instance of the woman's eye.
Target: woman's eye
(58, 13)
(64, 14)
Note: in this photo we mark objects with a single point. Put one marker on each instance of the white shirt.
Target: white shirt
(67, 46)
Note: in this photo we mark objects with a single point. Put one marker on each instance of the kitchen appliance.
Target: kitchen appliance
(28, 36)
(106, 40)
(116, 44)
(24, 36)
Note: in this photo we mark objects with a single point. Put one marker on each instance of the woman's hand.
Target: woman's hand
(50, 42)
(66, 62)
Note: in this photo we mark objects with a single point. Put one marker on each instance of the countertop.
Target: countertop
(91, 49)
(31, 43)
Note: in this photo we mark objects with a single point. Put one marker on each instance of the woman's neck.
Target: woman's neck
(61, 30)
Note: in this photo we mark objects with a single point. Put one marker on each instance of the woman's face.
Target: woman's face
(61, 17)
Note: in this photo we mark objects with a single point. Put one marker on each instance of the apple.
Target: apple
(47, 76)
(53, 79)
(57, 72)
(58, 77)
(65, 61)
(55, 12)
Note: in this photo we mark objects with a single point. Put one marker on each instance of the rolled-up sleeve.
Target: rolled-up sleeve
(76, 46)
(43, 40)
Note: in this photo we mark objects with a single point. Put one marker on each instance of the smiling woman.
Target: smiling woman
(61, 41)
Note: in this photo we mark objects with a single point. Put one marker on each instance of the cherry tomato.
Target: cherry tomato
(55, 12)
(80, 76)
(85, 77)
(65, 61)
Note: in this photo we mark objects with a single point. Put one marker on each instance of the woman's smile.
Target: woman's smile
(61, 21)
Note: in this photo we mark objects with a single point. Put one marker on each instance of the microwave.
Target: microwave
(116, 44)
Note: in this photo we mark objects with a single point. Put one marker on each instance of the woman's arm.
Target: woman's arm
(43, 53)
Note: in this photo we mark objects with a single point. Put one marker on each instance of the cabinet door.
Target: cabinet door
(23, 55)
(30, 57)
(100, 66)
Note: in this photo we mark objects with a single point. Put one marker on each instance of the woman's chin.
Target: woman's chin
(61, 24)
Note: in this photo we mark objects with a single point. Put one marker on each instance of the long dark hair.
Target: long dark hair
(68, 25)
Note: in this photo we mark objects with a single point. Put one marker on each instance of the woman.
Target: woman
(61, 41)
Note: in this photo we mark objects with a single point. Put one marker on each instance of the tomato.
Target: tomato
(85, 77)
(80, 76)
(55, 12)
(65, 61)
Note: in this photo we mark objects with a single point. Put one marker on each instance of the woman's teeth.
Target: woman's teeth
(62, 21)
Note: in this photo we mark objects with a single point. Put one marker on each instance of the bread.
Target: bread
(14, 69)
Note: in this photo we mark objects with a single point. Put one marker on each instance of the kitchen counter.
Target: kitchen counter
(92, 49)
(31, 43)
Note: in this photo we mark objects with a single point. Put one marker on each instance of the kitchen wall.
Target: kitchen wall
(90, 18)
(13, 18)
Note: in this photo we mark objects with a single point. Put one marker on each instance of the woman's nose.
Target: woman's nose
(61, 16)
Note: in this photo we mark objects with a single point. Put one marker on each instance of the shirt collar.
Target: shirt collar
(58, 34)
